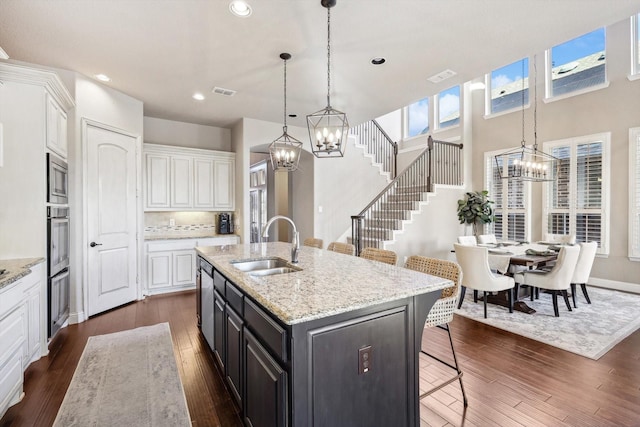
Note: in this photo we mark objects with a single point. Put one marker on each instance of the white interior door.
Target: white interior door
(111, 219)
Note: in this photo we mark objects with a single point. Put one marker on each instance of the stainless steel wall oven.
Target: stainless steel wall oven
(58, 239)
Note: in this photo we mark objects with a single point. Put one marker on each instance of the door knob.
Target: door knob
(94, 244)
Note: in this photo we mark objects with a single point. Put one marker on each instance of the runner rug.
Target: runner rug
(589, 330)
(128, 378)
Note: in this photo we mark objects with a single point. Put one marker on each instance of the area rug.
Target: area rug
(127, 378)
(589, 330)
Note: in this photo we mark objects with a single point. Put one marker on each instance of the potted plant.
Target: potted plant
(475, 209)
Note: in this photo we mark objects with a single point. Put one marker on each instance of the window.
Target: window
(577, 65)
(576, 202)
(634, 194)
(448, 107)
(635, 46)
(511, 208)
(505, 87)
(418, 118)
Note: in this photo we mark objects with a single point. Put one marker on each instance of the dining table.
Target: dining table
(508, 257)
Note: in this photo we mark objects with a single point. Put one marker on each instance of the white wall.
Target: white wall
(169, 132)
(102, 104)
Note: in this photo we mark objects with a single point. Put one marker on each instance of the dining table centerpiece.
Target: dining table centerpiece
(476, 209)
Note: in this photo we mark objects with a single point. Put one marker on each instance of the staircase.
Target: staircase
(383, 219)
(378, 146)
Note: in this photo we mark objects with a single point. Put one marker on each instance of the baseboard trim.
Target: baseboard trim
(614, 284)
(78, 317)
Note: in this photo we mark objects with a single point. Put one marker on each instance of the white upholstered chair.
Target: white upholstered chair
(442, 311)
(467, 240)
(568, 239)
(583, 270)
(487, 238)
(557, 280)
(476, 275)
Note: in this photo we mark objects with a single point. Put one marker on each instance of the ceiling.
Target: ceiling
(162, 51)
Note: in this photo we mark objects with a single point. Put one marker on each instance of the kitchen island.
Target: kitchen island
(334, 344)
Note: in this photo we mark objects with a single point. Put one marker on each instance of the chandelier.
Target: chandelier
(285, 151)
(328, 128)
(527, 163)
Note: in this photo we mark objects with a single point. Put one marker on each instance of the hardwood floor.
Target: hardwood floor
(509, 380)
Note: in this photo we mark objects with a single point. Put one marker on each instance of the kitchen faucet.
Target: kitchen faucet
(295, 243)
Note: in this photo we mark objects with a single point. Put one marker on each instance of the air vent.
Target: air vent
(223, 91)
(442, 76)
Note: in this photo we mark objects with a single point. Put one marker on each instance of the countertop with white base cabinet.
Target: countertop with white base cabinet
(22, 324)
(171, 259)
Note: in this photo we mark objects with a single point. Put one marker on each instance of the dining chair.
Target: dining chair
(313, 242)
(382, 255)
(583, 270)
(467, 240)
(343, 248)
(568, 239)
(442, 311)
(487, 238)
(474, 261)
(557, 280)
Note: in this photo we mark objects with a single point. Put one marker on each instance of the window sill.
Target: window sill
(442, 130)
(576, 93)
(633, 77)
(505, 112)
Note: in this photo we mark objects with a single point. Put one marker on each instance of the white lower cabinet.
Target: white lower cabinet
(171, 264)
(21, 333)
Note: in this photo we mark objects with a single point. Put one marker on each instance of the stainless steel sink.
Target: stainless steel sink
(265, 266)
(272, 271)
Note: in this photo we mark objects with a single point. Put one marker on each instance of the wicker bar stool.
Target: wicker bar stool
(442, 312)
(313, 242)
(343, 248)
(382, 255)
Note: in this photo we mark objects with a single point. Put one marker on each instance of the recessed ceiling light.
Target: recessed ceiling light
(378, 61)
(240, 8)
(103, 77)
(198, 96)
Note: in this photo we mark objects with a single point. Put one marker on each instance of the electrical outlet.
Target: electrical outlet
(364, 359)
(172, 222)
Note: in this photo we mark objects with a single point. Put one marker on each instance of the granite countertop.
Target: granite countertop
(177, 235)
(16, 269)
(329, 283)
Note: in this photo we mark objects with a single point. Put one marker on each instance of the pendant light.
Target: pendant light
(328, 128)
(527, 163)
(285, 151)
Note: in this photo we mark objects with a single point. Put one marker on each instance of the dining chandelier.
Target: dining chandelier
(528, 163)
(328, 128)
(285, 151)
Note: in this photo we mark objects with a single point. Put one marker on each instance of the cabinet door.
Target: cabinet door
(265, 401)
(56, 128)
(218, 330)
(33, 334)
(234, 353)
(181, 182)
(157, 185)
(184, 268)
(203, 186)
(159, 270)
(224, 188)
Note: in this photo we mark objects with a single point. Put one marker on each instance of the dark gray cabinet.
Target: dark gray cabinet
(234, 347)
(219, 323)
(265, 402)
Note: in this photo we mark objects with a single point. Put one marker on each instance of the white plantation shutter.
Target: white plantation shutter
(634, 193)
(510, 197)
(576, 201)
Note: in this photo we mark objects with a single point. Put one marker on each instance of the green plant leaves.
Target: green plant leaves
(475, 207)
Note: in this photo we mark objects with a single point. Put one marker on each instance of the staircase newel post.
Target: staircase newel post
(429, 161)
(356, 232)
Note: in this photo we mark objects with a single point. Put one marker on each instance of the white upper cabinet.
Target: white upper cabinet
(188, 179)
(56, 128)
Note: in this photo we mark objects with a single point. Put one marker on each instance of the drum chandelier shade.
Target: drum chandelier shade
(285, 151)
(527, 163)
(328, 128)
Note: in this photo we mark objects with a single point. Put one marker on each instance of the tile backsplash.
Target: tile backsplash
(179, 221)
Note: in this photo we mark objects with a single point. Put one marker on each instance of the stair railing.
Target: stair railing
(439, 163)
(379, 144)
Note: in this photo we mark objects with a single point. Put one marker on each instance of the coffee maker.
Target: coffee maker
(225, 223)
